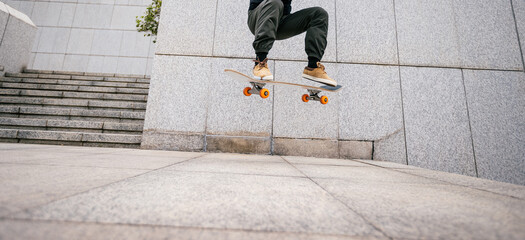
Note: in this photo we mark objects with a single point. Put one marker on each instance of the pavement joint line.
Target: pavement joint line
(340, 201)
(67, 165)
(235, 173)
(456, 184)
(101, 186)
(172, 226)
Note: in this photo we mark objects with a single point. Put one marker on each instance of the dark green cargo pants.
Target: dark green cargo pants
(268, 24)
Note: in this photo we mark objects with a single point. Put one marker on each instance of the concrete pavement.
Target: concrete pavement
(57, 192)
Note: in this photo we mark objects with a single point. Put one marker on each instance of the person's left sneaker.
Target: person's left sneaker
(318, 74)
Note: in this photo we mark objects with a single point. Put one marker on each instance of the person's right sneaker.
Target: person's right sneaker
(319, 75)
(261, 70)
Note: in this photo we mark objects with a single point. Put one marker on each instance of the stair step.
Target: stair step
(71, 137)
(77, 82)
(85, 73)
(62, 125)
(75, 95)
(78, 103)
(75, 88)
(71, 114)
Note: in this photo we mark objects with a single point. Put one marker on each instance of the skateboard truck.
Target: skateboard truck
(314, 96)
(258, 88)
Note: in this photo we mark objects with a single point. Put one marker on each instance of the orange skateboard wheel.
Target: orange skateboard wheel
(324, 100)
(247, 91)
(264, 93)
(305, 98)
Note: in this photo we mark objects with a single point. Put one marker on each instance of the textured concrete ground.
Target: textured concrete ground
(56, 192)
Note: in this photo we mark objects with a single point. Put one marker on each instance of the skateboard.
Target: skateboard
(258, 87)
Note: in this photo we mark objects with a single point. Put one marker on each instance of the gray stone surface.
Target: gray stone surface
(295, 119)
(370, 102)
(232, 144)
(485, 41)
(80, 41)
(184, 32)
(496, 102)
(360, 174)
(4, 16)
(49, 183)
(231, 113)
(17, 41)
(293, 48)
(213, 165)
(136, 194)
(233, 39)
(53, 40)
(306, 147)
(49, 135)
(366, 31)
(436, 120)
(296, 205)
(392, 165)
(178, 95)
(501, 188)
(85, 231)
(321, 161)
(436, 211)
(8, 133)
(110, 138)
(172, 141)
(391, 148)
(355, 150)
(23, 122)
(427, 33)
(74, 124)
(122, 126)
(519, 11)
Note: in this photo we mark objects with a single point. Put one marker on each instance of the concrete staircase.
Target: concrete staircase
(73, 108)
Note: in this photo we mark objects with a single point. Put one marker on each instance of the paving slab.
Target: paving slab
(502, 188)
(432, 211)
(30, 230)
(184, 199)
(236, 166)
(63, 192)
(25, 186)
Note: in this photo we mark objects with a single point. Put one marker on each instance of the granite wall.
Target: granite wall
(88, 35)
(17, 34)
(436, 84)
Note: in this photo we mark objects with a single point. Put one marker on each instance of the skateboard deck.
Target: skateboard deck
(258, 87)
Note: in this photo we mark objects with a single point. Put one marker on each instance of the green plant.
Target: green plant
(149, 23)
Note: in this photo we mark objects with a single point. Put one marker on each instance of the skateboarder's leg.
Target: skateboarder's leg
(312, 20)
(263, 22)
(315, 22)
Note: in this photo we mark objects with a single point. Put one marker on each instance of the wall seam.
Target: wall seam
(336, 45)
(400, 84)
(469, 123)
(5, 29)
(517, 34)
(214, 27)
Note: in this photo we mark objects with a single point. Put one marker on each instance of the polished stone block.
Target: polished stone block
(355, 150)
(178, 94)
(124, 17)
(170, 141)
(185, 32)
(106, 42)
(233, 39)
(427, 33)
(295, 119)
(53, 40)
(496, 102)
(370, 101)
(229, 111)
(488, 35)
(519, 11)
(233, 144)
(391, 148)
(17, 41)
(366, 31)
(436, 120)
(306, 147)
(80, 41)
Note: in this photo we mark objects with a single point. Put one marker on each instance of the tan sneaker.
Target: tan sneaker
(319, 75)
(261, 70)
